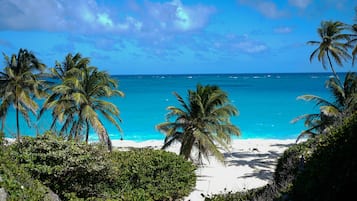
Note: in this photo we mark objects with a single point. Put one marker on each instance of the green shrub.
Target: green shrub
(64, 166)
(17, 182)
(87, 172)
(322, 168)
(331, 171)
(153, 174)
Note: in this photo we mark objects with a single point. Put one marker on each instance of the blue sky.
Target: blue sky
(178, 36)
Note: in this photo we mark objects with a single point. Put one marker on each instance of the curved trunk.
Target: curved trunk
(2, 124)
(17, 121)
(333, 70)
(187, 145)
(87, 131)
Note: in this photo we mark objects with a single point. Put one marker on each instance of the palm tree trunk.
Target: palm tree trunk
(17, 121)
(87, 131)
(2, 124)
(333, 70)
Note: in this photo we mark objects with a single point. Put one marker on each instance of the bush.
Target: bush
(64, 166)
(87, 172)
(322, 168)
(17, 182)
(331, 171)
(153, 174)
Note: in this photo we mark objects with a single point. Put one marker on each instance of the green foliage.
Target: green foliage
(19, 82)
(330, 173)
(153, 174)
(77, 102)
(64, 166)
(89, 172)
(17, 182)
(202, 122)
(322, 168)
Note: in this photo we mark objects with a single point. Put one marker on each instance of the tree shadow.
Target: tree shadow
(262, 163)
(283, 145)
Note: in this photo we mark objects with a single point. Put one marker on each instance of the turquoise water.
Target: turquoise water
(266, 102)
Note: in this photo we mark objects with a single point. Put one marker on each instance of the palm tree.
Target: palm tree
(70, 64)
(353, 39)
(18, 82)
(332, 44)
(63, 103)
(203, 123)
(345, 102)
(77, 103)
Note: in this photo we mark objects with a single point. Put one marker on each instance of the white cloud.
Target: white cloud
(174, 16)
(90, 17)
(283, 30)
(266, 8)
(302, 4)
(250, 47)
(104, 20)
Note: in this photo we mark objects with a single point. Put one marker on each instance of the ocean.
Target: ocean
(266, 102)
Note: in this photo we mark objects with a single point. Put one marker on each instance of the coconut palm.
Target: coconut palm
(70, 67)
(353, 40)
(201, 123)
(332, 45)
(70, 64)
(18, 83)
(345, 102)
(77, 103)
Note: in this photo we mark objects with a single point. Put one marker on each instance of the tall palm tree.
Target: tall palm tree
(18, 82)
(345, 102)
(77, 103)
(353, 40)
(201, 123)
(59, 99)
(332, 45)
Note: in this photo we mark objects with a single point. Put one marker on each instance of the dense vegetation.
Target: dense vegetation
(79, 171)
(322, 168)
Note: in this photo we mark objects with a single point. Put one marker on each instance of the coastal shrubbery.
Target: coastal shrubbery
(156, 174)
(322, 168)
(17, 182)
(79, 171)
(330, 170)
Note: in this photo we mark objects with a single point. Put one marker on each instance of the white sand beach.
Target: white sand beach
(249, 164)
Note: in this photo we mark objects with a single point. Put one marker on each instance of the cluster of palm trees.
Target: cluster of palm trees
(75, 97)
(338, 45)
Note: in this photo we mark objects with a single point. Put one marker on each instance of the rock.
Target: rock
(3, 194)
(51, 196)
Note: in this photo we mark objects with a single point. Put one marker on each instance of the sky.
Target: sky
(173, 36)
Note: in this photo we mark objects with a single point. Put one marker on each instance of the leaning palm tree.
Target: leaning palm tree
(345, 103)
(332, 45)
(201, 123)
(78, 102)
(18, 82)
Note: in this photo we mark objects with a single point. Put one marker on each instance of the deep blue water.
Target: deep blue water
(266, 102)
